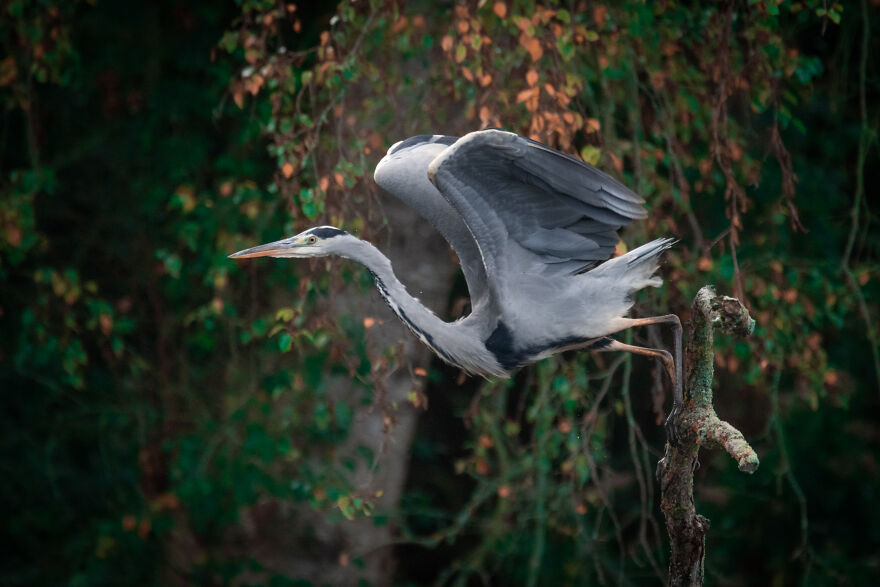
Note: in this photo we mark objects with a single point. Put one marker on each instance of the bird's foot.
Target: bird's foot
(672, 423)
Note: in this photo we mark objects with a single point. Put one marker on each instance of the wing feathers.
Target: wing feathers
(559, 208)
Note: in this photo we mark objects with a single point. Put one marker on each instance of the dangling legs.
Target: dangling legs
(673, 366)
(677, 393)
(615, 345)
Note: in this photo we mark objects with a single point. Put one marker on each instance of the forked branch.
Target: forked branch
(699, 426)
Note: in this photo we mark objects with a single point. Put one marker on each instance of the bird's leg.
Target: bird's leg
(678, 380)
(663, 355)
(668, 363)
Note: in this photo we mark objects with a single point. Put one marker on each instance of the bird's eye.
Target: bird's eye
(312, 239)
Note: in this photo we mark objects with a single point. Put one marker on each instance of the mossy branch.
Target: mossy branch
(699, 426)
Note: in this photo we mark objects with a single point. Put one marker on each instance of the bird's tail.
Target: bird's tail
(636, 268)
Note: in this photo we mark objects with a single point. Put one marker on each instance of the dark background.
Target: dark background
(171, 417)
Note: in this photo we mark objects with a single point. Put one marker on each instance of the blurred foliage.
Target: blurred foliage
(153, 388)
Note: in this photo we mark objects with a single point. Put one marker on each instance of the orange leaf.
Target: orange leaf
(420, 372)
(254, 84)
(238, 97)
(600, 13)
(525, 95)
(615, 160)
(324, 183)
(485, 115)
(467, 74)
(532, 77)
(500, 9)
(340, 181)
(486, 80)
(399, 25)
(462, 26)
(13, 235)
(446, 43)
(369, 322)
(287, 170)
(532, 45)
(592, 125)
(419, 21)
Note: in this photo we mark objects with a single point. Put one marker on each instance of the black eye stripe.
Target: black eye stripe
(326, 232)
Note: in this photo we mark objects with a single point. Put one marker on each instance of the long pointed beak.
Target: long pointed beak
(266, 250)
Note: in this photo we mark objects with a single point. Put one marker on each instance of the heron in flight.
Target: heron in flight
(534, 230)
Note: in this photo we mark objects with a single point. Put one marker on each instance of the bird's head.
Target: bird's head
(314, 242)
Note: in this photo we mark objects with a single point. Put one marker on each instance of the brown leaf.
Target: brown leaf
(532, 45)
(485, 115)
(523, 24)
(600, 13)
(615, 160)
(399, 25)
(8, 71)
(526, 95)
(532, 77)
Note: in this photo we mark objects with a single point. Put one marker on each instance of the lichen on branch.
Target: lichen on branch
(700, 426)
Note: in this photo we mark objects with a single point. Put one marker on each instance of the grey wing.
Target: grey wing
(404, 173)
(531, 209)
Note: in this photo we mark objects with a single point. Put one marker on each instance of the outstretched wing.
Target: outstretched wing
(404, 173)
(531, 209)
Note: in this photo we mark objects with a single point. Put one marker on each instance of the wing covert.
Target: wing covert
(530, 208)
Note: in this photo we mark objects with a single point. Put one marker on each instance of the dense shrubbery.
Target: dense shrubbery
(159, 398)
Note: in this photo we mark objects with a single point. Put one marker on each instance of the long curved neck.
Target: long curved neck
(422, 321)
(452, 343)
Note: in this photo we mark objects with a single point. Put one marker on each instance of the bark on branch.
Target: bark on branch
(699, 426)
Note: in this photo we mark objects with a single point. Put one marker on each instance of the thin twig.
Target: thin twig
(865, 138)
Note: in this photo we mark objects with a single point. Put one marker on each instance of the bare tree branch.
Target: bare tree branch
(699, 426)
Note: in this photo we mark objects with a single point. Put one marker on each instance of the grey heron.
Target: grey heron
(534, 230)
